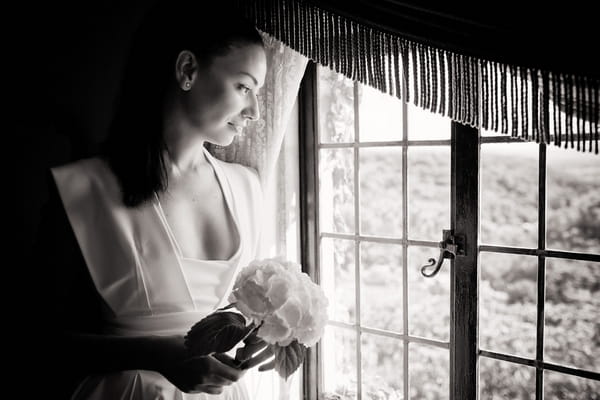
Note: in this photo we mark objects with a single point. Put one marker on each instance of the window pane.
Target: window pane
(337, 278)
(573, 211)
(336, 107)
(504, 380)
(339, 363)
(486, 132)
(381, 286)
(508, 293)
(429, 374)
(572, 333)
(559, 386)
(336, 190)
(380, 116)
(428, 192)
(382, 363)
(428, 298)
(425, 125)
(490, 133)
(381, 191)
(509, 194)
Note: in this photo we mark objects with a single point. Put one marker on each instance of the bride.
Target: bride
(145, 239)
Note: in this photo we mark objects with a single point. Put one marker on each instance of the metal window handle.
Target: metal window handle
(450, 246)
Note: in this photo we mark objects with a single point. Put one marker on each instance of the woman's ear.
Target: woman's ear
(186, 69)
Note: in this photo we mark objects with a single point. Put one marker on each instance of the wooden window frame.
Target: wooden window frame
(464, 270)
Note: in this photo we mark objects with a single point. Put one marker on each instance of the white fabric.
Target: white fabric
(137, 269)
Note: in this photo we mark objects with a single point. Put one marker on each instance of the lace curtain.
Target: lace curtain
(261, 148)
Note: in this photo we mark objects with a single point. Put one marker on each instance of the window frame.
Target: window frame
(465, 148)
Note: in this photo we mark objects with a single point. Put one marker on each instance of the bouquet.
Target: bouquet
(276, 300)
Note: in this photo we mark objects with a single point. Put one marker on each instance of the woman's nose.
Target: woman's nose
(251, 111)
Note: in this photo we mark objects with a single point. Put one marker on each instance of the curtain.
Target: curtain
(266, 148)
(519, 68)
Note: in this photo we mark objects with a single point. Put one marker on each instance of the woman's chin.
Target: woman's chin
(223, 141)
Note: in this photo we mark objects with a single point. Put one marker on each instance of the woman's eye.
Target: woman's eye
(244, 89)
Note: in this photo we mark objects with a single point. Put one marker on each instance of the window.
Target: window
(381, 180)
(539, 293)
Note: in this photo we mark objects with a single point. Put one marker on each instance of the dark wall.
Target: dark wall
(67, 65)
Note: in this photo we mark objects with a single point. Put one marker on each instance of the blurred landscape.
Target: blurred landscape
(508, 283)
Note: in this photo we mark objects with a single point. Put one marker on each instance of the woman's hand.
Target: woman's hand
(204, 374)
(209, 374)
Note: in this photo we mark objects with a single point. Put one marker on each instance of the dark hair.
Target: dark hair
(135, 146)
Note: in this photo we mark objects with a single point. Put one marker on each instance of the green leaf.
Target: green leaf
(288, 358)
(216, 333)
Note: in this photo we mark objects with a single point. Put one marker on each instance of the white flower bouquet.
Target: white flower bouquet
(278, 301)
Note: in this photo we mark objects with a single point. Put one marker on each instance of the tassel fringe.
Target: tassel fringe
(529, 103)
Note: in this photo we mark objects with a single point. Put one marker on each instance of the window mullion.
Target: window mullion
(309, 200)
(541, 274)
(357, 263)
(464, 269)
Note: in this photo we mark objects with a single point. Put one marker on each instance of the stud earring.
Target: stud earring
(187, 84)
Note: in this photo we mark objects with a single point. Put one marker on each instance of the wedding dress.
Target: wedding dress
(138, 269)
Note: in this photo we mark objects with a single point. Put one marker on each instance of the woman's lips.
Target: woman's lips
(238, 128)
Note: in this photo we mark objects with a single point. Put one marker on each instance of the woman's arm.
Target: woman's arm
(99, 353)
(164, 354)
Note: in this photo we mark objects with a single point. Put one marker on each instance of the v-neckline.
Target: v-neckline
(221, 180)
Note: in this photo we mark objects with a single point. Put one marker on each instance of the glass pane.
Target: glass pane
(381, 286)
(573, 198)
(572, 332)
(339, 363)
(559, 386)
(490, 133)
(507, 308)
(429, 372)
(380, 116)
(382, 362)
(504, 380)
(336, 190)
(486, 132)
(336, 107)
(425, 125)
(338, 277)
(428, 192)
(381, 191)
(509, 194)
(428, 298)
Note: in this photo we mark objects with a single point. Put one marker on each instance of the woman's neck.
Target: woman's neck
(185, 155)
(185, 148)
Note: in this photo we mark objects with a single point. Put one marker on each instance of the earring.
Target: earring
(187, 84)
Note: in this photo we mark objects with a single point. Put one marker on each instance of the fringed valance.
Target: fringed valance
(468, 85)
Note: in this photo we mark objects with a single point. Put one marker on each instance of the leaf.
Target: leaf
(227, 307)
(288, 358)
(216, 333)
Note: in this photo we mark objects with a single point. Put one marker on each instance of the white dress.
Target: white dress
(137, 267)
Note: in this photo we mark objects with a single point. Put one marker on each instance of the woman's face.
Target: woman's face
(222, 98)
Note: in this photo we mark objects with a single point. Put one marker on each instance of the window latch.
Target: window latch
(450, 246)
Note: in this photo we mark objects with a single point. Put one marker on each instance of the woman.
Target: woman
(145, 240)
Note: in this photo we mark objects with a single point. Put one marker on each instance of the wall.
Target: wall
(66, 62)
